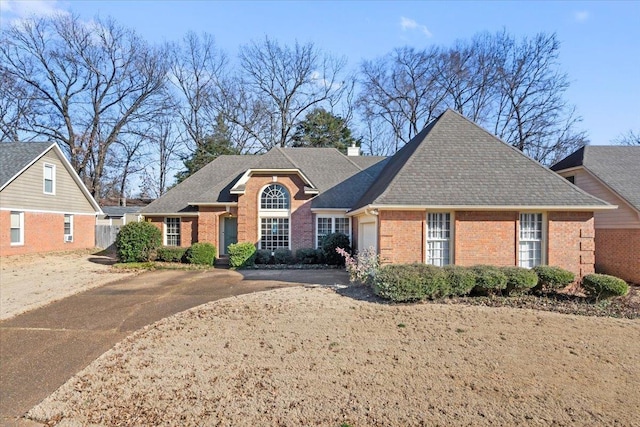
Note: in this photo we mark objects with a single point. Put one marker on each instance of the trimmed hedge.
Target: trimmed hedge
(602, 286)
(170, 254)
(283, 256)
(309, 256)
(461, 280)
(519, 280)
(329, 245)
(201, 253)
(241, 254)
(137, 242)
(263, 256)
(551, 278)
(414, 282)
(489, 279)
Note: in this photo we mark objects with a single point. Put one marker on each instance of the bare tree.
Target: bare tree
(276, 85)
(628, 138)
(90, 82)
(16, 104)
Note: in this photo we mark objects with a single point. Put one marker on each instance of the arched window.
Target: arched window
(274, 218)
(275, 196)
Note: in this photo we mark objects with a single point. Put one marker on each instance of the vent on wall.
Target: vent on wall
(68, 238)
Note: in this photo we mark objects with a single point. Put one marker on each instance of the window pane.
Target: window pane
(16, 227)
(48, 179)
(173, 231)
(275, 196)
(274, 233)
(530, 248)
(342, 225)
(438, 238)
(323, 228)
(15, 235)
(15, 220)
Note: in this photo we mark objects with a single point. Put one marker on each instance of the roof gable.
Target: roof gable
(618, 167)
(455, 162)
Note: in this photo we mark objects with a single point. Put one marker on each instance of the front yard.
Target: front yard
(314, 356)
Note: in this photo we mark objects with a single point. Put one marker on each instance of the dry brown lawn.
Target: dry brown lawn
(313, 356)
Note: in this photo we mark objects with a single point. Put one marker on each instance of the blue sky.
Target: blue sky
(600, 40)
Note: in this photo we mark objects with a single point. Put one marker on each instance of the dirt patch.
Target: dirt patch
(32, 281)
(311, 356)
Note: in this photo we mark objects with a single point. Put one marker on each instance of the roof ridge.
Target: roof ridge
(281, 150)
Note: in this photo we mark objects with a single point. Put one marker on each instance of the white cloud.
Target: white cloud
(581, 16)
(408, 24)
(25, 9)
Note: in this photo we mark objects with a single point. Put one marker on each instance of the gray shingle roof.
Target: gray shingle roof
(120, 211)
(454, 162)
(616, 166)
(340, 181)
(14, 156)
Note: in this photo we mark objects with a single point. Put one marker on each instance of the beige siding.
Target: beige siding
(27, 192)
(623, 217)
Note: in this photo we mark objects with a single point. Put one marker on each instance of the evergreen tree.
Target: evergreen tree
(320, 128)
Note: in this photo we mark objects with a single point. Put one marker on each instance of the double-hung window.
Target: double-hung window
(17, 228)
(331, 224)
(438, 238)
(530, 251)
(172, 231)
(274, 217)
(68, 228)
(49, 179)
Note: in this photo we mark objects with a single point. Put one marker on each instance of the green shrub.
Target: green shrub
(137, 242)
(241, 254)
(413, 282)
(489, 279)
(461, 280)
(170, 254)
(263, 256)
(519, 280)
(602, 286)
(201, 253)
(329, 245)
(283, 256)
(309, 256)
(550, 278)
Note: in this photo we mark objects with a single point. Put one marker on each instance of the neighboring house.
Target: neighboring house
(119, 215)
(611, 173)
(454, 194)
(44, 206)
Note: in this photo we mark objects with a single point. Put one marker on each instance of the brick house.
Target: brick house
(44, 206)
(611, 173)
(454, 194)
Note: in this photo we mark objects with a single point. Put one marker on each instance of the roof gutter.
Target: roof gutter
(369, 208)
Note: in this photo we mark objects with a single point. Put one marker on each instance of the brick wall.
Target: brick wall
(571, 241)
(301, 219)
(401, 236)
(485, 238)
(618, 253)
(44, 232)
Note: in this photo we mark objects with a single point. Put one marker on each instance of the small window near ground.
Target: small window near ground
(172, 231)
(68, 228)
(17, 228)
(438, 238)
(328, 225)
(49, 185)
(530, 253)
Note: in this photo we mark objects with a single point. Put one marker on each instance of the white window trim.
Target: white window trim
(333, 226)
(71, 227)
(21, 216)
(53, 178)
(452, 234)
(164, 231)
(543, 240)
(273, 213)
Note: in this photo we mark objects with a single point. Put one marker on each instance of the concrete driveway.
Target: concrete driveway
(41, 349)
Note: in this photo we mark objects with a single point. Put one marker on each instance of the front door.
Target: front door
(230, 231)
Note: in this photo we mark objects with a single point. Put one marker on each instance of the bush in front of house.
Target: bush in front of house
(413, 282)
(283, 256)
(263, 256)
(241, 254)
(170, 254)
(552, 278)
(490, 280)
(461, 280)
(329, 245)
(138, 242)
(309, 256)
(603, 286)
(201, 253)
(519, 280)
